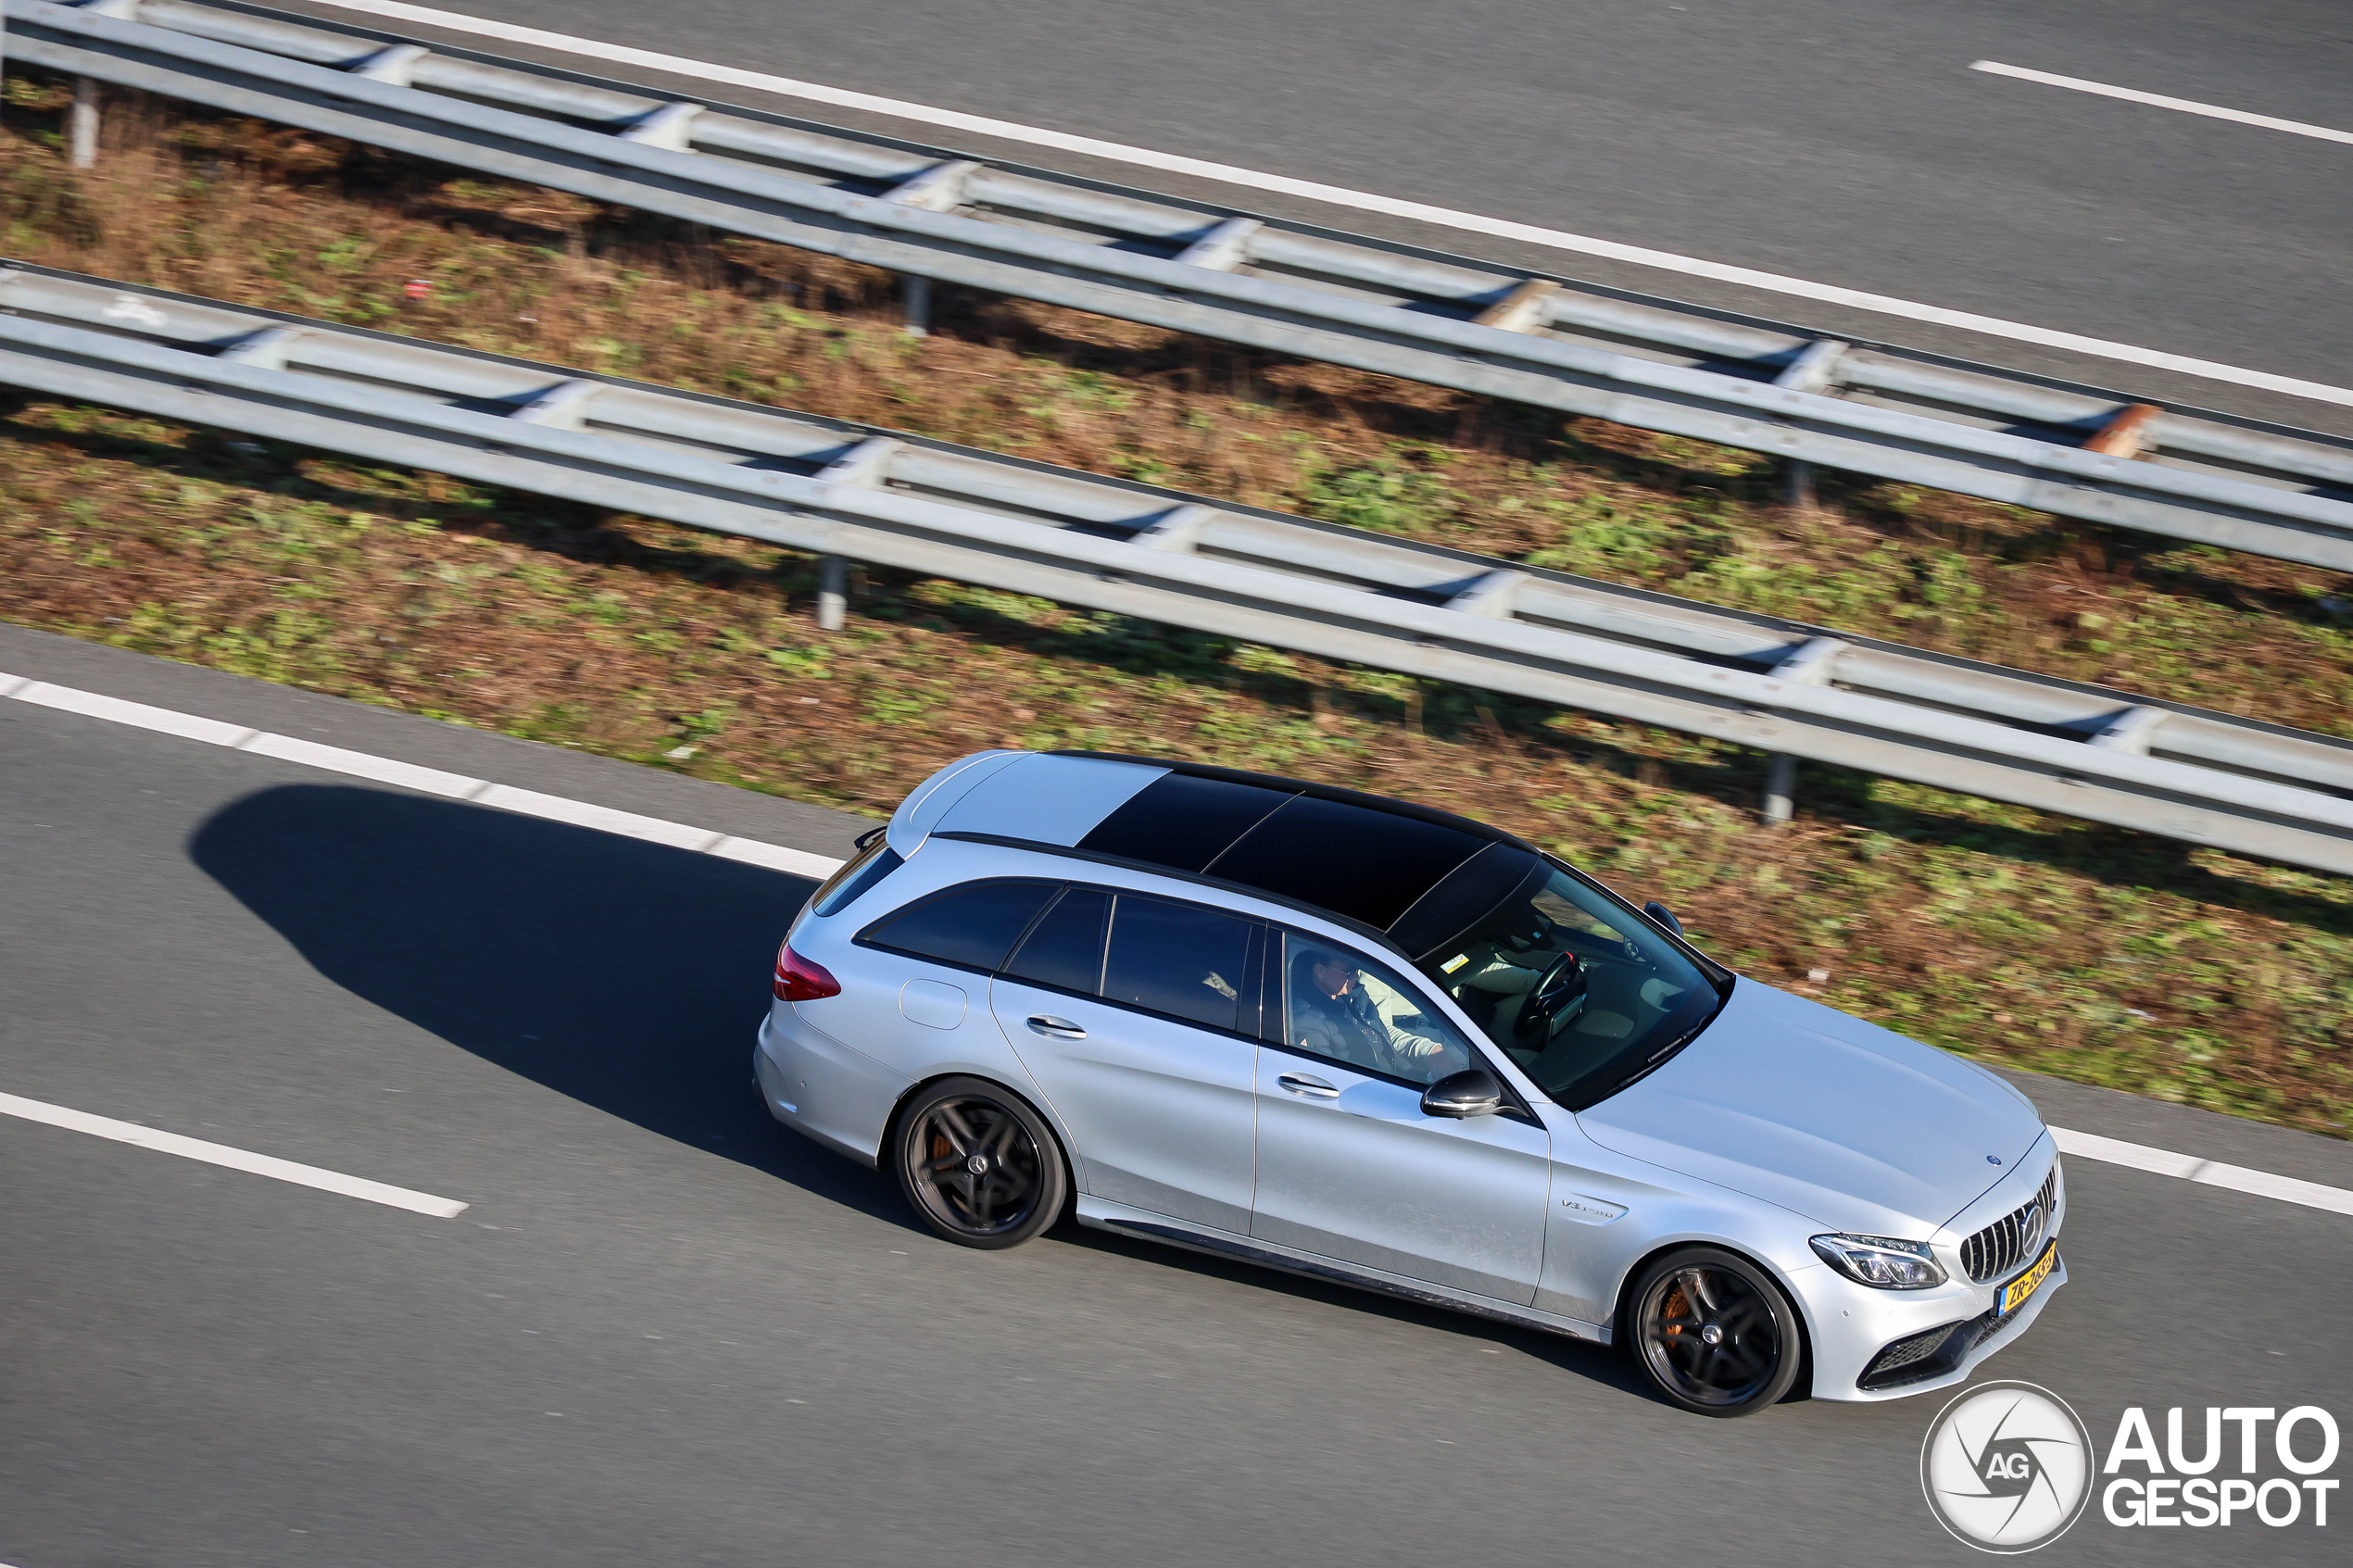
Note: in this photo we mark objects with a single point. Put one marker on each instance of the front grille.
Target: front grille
(2011, 1239)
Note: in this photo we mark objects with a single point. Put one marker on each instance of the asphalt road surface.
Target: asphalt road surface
(669, 1331)
(1844, 142)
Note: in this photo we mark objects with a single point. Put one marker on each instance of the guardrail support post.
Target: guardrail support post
(395, 64)
(82, 124)
(1225, 247)
(938, 188)
(833, 593)
(1809, 664)
(865, 465)
(1490, 594)
(1780, 790)
(1801, 484)
(2126, 433)
(1177, 529)
(1521, 310)
(667, 125)
(1814, 369)
(2130, 729)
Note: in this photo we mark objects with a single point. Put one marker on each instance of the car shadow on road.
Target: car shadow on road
(627, 975)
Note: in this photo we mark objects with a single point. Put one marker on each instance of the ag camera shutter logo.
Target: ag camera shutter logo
(2007, 1467)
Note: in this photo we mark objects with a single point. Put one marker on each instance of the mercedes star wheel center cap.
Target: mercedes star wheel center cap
(1712, 1334)
(978, 1164)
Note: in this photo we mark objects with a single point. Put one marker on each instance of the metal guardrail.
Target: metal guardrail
(846, 490)
(1267, 284)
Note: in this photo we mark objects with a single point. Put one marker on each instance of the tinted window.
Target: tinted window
(1340, 1005)
(1065, 948)
(857, 874)
(975, 926)
(1182, 821)
(1178, 959)
(1369, 866)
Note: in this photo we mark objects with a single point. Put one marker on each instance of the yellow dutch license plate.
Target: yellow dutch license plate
(2014, 1293)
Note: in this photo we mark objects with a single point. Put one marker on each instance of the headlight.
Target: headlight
(1881, 1262)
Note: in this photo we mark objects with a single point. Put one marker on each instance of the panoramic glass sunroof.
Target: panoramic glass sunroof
(1182, 823)
(1369, 866)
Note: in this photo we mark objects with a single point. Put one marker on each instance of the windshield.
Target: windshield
(1584, 995)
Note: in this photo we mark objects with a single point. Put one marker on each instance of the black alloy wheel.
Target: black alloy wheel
(1714, 1332)
(981, 1167)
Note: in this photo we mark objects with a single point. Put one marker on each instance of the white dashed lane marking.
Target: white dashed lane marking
(2206, 1172)
(234, 1159)
(2158, 100)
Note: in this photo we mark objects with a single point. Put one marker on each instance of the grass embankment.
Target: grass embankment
(2106, 957)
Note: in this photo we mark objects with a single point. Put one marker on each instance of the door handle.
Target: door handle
(1308, 1084)
(1060, 1028)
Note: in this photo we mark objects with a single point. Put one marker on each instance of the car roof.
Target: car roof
(1412, 874)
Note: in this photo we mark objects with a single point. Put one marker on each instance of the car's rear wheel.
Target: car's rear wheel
(1714, 1332)
(981, 1167)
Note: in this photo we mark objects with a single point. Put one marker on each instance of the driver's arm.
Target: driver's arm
(1391, 1007)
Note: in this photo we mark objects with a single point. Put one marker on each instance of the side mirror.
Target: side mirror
(1663, 915)
(1471, 1092)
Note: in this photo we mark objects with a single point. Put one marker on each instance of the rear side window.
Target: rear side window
(856, 876)
(1065, 948)
(973, 926)
(1180, 959)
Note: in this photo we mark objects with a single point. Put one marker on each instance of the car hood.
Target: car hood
(1845, 1122)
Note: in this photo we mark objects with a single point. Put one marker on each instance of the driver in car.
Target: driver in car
(1352, 1016)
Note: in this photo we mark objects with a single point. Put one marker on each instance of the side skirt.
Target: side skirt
(1124, 1221)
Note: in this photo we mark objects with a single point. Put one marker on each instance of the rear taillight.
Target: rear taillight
(798, 980)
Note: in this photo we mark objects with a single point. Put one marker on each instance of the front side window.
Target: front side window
(1180, 959)
(1582, 995)
(1343, 1007)
(973, 926)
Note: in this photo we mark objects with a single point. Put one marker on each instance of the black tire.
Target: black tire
(1714, 1332)
(1018, 1189)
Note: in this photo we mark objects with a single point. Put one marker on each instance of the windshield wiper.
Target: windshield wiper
(1658, 1057)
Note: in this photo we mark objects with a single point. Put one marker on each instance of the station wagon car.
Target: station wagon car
(1363, 1040)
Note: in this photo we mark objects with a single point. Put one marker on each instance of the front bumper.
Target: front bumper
(1853, 1324)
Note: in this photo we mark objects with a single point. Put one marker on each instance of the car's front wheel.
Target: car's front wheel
(1714, 1332)
(981, 1167)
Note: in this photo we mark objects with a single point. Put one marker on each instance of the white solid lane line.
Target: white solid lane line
(234, 1159)
(1362, 201)
(800, 862)
(2158, 100)
(408, 775)
(2211, 1173)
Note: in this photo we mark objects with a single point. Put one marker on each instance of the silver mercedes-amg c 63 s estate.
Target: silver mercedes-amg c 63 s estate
(1377, 1044)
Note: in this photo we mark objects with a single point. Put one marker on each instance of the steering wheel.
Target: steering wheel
(1562, 983)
